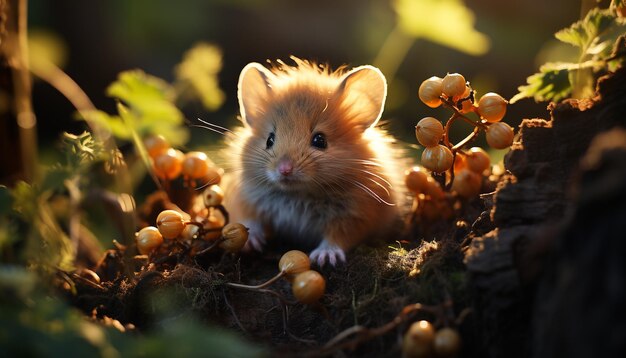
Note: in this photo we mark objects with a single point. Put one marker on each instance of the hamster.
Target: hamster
(310, 162)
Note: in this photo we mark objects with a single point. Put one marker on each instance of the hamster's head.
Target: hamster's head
(307, 125)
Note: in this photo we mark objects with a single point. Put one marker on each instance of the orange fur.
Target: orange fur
(339, 195)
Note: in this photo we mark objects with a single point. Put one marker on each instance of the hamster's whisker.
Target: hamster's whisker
(362, 161)
(371, 193)
(261, 152)
(207, 128)
(377, 176)
(208, 124)
(380, 185)
(335, 186)
(307, 160)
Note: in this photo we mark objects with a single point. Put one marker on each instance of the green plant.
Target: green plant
(599, 38)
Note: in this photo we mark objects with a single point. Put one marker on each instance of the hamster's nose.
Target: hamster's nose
(285, 167)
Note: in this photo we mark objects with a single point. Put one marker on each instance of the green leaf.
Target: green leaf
(47, 246)
(147, 108)
(197, 74)
(446, 22)
(139, 90)
(573, 35)
(113, 124)
(55, 177)
(593, 34)
(551, 83)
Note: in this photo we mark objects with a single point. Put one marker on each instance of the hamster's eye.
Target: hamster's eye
(270, 141)
(319, 141)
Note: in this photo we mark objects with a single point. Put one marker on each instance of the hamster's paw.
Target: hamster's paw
(256, 236)
(327, 251)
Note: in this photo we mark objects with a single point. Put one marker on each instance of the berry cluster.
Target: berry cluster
(430, 199)
(455, 93)
(172, 225)
(169, 163)
(465, 167)
(422, 341)
(307, 285)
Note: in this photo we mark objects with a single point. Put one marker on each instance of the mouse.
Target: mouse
(310, 161)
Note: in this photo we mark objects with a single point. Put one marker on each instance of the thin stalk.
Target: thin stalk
(257, 287)
(26, 119)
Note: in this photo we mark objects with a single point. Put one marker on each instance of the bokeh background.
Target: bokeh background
(100, 38)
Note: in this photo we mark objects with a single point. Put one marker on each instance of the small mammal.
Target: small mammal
(310, 163)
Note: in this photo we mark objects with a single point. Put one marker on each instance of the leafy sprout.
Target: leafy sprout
(146, 106)
(597, 39)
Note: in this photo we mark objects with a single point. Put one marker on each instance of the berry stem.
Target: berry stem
(210, 247)
(448, 103)
(466, 140)
(222, 210)
(195, 223)
(355, 335)
(470, 137)
(257, 287)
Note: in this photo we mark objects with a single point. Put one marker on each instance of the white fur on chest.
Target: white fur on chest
(297, 217)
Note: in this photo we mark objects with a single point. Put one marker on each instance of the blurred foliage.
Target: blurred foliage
(30, 230)
(35, 324)
(146, 107)
(45, 246)
(446, 22)
(597, 39)
(196, 76)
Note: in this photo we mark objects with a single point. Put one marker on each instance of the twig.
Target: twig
(257, 287)
(210, 247)
(232, 311)
(364, 333)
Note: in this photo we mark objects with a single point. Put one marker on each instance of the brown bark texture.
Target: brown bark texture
(546, 266)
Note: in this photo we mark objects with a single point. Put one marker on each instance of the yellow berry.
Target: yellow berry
(235, 236)
(438, 158)
(169, 164)
(492, 107)
(467, 183)
(429, 131)
(212, 196)
(156, 145)
(433, 189)
(416, 179)
(189, 232)
(148, 239)
(466, 106)
(418, 340)
(212, 223)
(170, 223)
(294, 262)
(499, 135)
(447, 343)
(459, 163)
(429, 92)
(196, 165)
(308, 286)
(453, 85)
(477, 160)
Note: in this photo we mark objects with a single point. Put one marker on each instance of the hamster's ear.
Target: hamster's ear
(364, 90)
(253, 91)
